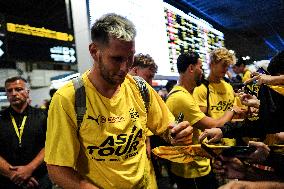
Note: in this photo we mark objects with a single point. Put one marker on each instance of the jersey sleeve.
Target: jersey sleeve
(62, 145)
(200, 95)
(181, 102)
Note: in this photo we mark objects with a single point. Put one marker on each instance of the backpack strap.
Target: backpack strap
(80, 100)
(141, 84)
(206, 83)
(171, 94)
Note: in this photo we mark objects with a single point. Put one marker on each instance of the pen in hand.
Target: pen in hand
(178, 120)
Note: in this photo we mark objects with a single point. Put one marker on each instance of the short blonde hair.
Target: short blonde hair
(112, 25)
(222, 54)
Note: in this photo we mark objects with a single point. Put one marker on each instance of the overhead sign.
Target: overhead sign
(62, 54)
(39, 32)
(38, 44)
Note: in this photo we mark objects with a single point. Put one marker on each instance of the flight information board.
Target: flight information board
(163, 31)
(189, 33)
(25, 41)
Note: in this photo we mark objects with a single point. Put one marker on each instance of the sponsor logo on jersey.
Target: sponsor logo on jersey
(118, 147)
(222, 105)
(102, 119)
(122, 145)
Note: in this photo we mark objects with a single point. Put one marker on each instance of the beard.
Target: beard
(18, 102)
(113, 79)
(198, 80)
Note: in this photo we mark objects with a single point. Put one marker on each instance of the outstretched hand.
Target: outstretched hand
(213, 135)
(249, 100)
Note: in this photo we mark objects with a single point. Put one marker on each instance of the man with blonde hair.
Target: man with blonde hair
(221, 95)
(216, 96)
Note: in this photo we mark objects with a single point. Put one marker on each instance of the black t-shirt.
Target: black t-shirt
(33, 138)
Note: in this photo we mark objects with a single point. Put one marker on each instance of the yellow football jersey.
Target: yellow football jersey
(110, 150)
(183, 101)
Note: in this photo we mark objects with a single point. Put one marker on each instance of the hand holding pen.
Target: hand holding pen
(180, 132)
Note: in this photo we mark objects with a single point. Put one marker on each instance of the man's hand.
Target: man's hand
(182, 133)
(249, 100)
(213, 135)
(20, 174)
(31, 183)
(239, 112)
(229, 167)
(261, 152)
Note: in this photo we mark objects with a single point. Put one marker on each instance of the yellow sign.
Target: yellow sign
(39, 32)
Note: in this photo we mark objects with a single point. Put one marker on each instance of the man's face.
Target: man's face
(147, 73)
(198, 73)
(17, 93)
(114, 60)
(219, 69)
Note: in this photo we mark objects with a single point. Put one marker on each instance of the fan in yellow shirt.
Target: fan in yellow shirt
(180, 99)
(108, 151)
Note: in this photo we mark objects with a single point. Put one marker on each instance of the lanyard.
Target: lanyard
(19, 134)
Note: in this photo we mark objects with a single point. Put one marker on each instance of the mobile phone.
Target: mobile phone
(178, 120)
(238, 151)
(210, 151)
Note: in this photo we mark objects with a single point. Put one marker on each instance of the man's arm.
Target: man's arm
(24, 172)
(267, 79)
(208, 122)
(203, 109)
(232, 130)
(4, 168)
(68, 178)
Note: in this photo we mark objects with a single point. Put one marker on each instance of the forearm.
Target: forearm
(277, 80)
(68, 178)
(225, 118)
(37, 161)
(4, 167)
(208, 122)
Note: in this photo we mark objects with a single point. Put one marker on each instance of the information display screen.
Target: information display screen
(163, 31)
(189, 33)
